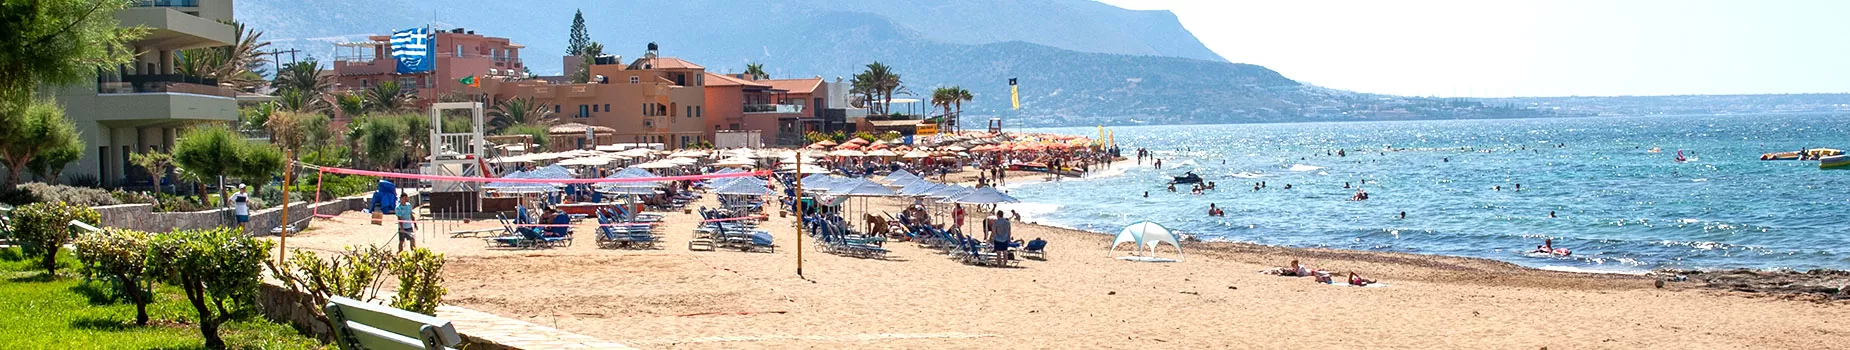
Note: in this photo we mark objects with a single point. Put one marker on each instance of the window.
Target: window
(593, 108)
(690, 111)
(555, 109)
(697, 111)
(584, 111)
(635, 79)
(645, 109)
(606, 107)
(458, 50)
(363, 83)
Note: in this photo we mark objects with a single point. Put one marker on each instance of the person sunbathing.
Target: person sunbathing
(1293, 270)
(1357, 280)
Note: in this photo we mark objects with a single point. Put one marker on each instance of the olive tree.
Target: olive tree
(213, 267)
(43, 228)
(120, 255)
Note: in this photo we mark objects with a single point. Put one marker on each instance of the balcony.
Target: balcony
(773, 108)
(167, 3)
(165, 83)
(171, 29)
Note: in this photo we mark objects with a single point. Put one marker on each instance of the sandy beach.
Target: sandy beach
(1080, 297)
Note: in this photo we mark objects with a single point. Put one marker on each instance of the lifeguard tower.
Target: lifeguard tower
(457, 154)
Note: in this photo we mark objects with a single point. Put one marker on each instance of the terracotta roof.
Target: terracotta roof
(795, 86)
(666, 63)
(576, 128)
(724, 80)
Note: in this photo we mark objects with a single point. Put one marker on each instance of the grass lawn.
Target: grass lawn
(38, 312)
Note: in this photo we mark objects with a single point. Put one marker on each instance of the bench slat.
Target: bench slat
(394, 321)
(376, 339)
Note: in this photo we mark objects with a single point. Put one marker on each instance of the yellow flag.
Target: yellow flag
(1014, 94)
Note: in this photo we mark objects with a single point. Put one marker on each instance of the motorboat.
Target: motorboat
(1834, 162)
(1808, 154)
(1188, 178)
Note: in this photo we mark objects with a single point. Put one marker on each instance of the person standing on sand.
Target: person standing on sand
(957, 218)
(407, 224)
(999, 238)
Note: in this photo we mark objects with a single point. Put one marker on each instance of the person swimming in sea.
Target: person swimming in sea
(1172, 187)
(1146, 194)
(1360, 195)
(1210, 185)
(1403, 215)
(1548, 247)
(1345, 184)
(1551, 214)
(1215, 211)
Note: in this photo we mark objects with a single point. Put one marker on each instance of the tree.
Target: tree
(213, 151)
(882, 81)
(305, 75)
(57, 42)
(381, 140)
(156, 163)
(213, 267)
(519, 111)
(121, 255)
(539, 135)
(350, 105)
(589, 55)
(233, 65)
(389, 97)
(300, 101)
(580, 37)
(941, 97)
(41, 229)
(40, 130)
(961, 96)
(756, 71)
(49, 165)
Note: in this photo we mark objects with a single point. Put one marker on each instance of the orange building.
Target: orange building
(460, 53)
(651, 100)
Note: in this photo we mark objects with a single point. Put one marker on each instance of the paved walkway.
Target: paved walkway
(517, 334)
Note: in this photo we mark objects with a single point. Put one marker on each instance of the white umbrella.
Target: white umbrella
(846, 153)
(656, 165)
(585, 161)
(917, 154)
(882, 153)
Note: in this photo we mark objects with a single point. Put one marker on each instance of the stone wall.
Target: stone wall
(142, 216)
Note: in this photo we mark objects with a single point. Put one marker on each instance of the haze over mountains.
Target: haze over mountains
(1079, 62)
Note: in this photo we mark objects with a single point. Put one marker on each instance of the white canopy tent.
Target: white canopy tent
(1147, 235)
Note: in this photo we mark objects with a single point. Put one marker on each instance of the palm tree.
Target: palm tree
(961, 96)
(589, 55)
(884, 82)
(350, 105)
(231, 65)
(756, 71)
(300, 101)
(863, 87)
(519, 111)
(305, 75)
(388, 97)
(942, 97)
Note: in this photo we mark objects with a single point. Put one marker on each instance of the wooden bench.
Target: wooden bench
(361, 325)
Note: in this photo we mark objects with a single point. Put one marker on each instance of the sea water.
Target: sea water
(1618, 206)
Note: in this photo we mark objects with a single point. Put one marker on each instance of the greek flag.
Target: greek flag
(413, 50)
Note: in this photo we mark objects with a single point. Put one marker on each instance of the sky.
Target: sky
(1495, 48)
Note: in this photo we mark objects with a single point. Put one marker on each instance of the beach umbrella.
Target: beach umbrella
(630, 173)
(743, 188)
(638, 191)
(808, 168)
(917, 154)
(846, 153)
(882, 153)
(983, 195)
(586, 161)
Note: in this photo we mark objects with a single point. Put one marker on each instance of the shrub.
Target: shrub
(172, 203)
(213, 267)
(17, 196)
(121, 256)
(82, 196)
(84, 180)
(359, 274)
(43, 228)
(420, 281)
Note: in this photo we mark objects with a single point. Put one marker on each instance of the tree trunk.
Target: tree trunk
(50, 261)
(208, 323)
(12, 177)
(137, 296)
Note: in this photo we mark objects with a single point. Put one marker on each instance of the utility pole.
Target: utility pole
(277, 54)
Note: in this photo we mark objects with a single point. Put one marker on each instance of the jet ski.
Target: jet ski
(1188, 178)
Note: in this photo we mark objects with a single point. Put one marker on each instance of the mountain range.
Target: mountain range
(1079, 62)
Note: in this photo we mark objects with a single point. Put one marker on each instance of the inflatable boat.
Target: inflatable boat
(1834, 162)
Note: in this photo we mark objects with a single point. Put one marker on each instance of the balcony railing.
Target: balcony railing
(167, 3)
(158, 83)
(773, 108)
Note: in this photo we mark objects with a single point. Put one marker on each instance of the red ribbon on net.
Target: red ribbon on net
(393, 175)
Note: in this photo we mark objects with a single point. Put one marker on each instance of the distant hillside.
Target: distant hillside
(1079, 62)
(1683, 104)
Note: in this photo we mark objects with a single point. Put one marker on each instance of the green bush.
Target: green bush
(213, 267)
(43, 228)
(420, 281)
(168, 203)
(83, 196)
(119, 255)
(132, 197)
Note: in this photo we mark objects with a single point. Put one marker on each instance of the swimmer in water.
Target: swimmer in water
(1496, 188)
(1519, 187)
(1146, 194)
(1172, 187)
(1403, 215)
(1551, 214)
(1345, 184)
